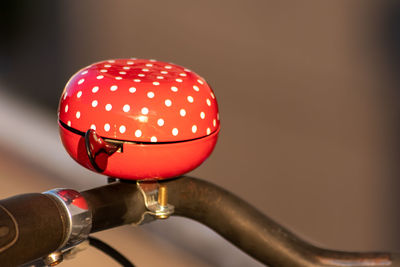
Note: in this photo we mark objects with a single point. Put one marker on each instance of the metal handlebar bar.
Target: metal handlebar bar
(27, 218)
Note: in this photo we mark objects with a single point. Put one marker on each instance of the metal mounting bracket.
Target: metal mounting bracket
(156, 199)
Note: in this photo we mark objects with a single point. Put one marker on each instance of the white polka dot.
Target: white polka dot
(208, 102)
(122, 72)
(179, 80)
(78, 114)
(200, 81)
(168, 67)
(196, 88)
(194, 128)
(160, 77)
(93, 127)
(160, 122)
(122, 129)
(174, 89)
(164, 72)
(152, 60)
(190, 99)
(145, 70)
(183, 74)
(156, 83)
(66, 108)
(107, 65)
(141, 75)
(214, 122)
(136, 80)
(175, 132)
(108, 107)
(132, 90)
(126, 108)
(187, 70)
(153, 139)
(111, 61)
(150, 94)
(69, 123)
(84, 72)
(81, 81)
(145, 111)
(65, 95)
(103, 70)
(212, 95)
(208, 131)
(149, 65)
(126, 68)
(182, 112)
(168, 102)
(79, 94)
(130, 62)
(95, 89)
(202, 115)
(113, 88)
(118, 78)
(94, 103)
(99, 77)
(107, 127)
(138, 133)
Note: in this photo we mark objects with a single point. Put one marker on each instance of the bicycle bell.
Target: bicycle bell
(138, 119)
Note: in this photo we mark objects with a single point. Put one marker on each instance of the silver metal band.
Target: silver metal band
(79, 215)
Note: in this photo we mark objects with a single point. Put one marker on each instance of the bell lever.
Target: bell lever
(99, 150)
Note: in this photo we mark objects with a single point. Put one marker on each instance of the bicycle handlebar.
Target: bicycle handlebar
(33, 217)
(25, 220)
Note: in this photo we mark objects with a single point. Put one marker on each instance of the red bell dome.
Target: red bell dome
(155, 111)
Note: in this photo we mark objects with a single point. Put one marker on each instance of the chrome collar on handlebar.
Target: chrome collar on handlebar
(79, 215)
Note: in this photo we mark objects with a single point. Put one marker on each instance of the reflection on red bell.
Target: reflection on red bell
(73, 197)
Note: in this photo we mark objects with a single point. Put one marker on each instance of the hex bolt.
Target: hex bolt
(53, 259)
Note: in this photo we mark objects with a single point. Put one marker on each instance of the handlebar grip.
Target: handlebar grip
(31, 226)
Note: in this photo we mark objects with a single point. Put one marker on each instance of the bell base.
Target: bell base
(144, 161)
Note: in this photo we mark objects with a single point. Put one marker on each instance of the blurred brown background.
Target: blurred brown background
(308, 94)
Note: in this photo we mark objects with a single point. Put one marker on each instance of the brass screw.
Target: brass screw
(162, 196)
(162, 200)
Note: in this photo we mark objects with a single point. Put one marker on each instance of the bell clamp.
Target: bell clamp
(156, 199)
